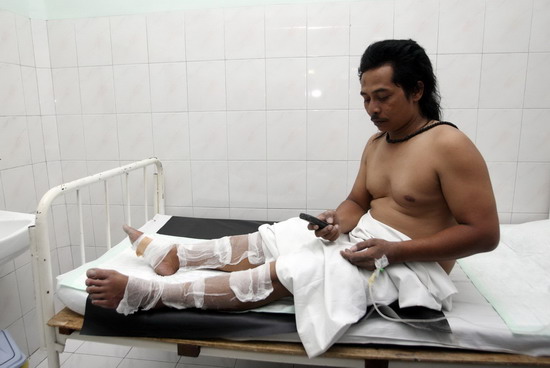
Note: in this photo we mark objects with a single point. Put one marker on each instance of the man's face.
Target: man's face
(385, 102)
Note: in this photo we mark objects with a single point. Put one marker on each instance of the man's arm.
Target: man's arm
(466, 187)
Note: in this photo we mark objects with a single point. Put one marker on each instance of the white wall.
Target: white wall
(255, 111)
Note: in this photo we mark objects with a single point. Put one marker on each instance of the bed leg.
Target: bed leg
(187, 350)
(376, 363)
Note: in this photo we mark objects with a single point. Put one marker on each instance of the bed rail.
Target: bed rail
(40, 240)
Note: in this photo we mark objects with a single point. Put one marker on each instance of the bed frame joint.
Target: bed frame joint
(189, 350)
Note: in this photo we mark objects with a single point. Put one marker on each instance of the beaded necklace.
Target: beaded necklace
(421, 130)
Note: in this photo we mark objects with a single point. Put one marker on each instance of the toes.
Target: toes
(133, 233)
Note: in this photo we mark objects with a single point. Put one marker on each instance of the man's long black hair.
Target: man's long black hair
(410, 64)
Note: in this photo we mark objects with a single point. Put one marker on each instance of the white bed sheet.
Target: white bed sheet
(475, 323)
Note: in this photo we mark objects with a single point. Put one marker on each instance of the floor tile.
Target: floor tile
(208, 361)
(98, 348)
(153, 354)
(90, 361)
(136, 363)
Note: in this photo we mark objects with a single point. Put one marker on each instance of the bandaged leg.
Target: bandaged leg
(234, 291)
(212, 254)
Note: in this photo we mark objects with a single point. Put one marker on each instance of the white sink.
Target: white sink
(14, 234)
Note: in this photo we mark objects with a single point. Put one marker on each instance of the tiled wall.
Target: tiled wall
(255, 111)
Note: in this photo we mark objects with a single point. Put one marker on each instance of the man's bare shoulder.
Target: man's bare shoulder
(450, 140)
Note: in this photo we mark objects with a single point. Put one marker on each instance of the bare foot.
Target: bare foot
(169, 265)
(106, 287)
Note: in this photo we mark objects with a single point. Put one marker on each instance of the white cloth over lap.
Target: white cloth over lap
(330, 294)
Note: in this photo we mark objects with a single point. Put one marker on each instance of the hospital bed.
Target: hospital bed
(479, 334)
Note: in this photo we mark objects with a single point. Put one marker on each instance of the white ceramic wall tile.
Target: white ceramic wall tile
(24, 37)
(458, 77)
(166, 37)
(168, 87)
(286, 135)
(40, 41)
(129, 39)
(535, 135)
(204, 34)
(51, 142)
(461, 24)
(327, 83)
(540, 32)
(14, 142)
(503, 180)
(465, 119)
(206, 86)
(244, 33)
(171, 136)
(178, 183)
(11, 307)
(356, 101)
(507, 25)
(12, 97)
(328, 29)
(498, 133)
(71, 137)
(36, 139)
(208, 136)
(538, 78)
(353, 170)
(132, 88)
(210, 183)
(97, 192)
(31, 326)
(93, 41)
(55, 174)
(248, 184)
(502, 80)
(245, 84)
(19, 191)
(532, 183)
(248, 213)
(286, 184)
(419, 21)
(62, 43)
(135, 138)
(30, 90)
(285, 30)
(327, 135)
(370, 21)
(65, 259)
(360, 130)
(101, 137)
(66, 88)
(41, 181)
(246, 135)
(281, 214)
(211, 212)
(326, 184)
(97, 89)
(286, 83)
(45, 91)
(9, 52)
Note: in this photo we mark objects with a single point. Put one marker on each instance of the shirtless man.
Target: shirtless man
(432, 186)
(422, 178)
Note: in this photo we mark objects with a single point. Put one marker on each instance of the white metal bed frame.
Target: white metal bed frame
(53, 341)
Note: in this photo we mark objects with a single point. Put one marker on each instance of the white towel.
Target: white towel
(330, 294)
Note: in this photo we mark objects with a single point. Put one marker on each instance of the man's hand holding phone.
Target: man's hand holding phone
(325, 225)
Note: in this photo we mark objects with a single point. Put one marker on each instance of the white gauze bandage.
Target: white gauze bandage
(155, 251)
(209, 254)
(146, 294)
(251, 285)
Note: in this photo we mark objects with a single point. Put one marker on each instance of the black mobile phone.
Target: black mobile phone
(313, 220)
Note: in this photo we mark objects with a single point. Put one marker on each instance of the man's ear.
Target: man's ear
(418, 92)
